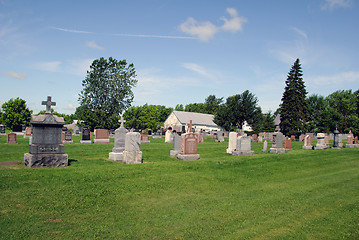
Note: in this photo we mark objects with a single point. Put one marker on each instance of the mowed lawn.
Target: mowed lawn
(302, 194)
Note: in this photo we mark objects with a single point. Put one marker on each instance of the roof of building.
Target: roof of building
(197, 118)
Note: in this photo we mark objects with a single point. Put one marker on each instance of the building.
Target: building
(178, 121)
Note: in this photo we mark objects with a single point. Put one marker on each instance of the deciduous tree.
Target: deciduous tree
(15, 112)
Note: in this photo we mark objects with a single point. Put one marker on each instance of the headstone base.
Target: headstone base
(46, 160)
(132, 157)
(229, 151)
(351, 145)
(85, 141)
(156, 136)
(188, 157)
(288, 149)
(145, 141)
(68, 142)
(115, 156)
(308, 147)
(321, 147)
(174, 153)
(277, 150)
(101, 141)
(240, 153)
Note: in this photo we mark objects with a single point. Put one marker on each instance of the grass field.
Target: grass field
(302, 194)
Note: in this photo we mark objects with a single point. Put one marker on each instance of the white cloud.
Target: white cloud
(71, 30)
(53, 66)
(206, 30)
(20, 76)
(92, 44)
(234, 24)
(197, 68)
(340, 78)
(78, 67)
(300, 32)
(331, 4)
(71, 107)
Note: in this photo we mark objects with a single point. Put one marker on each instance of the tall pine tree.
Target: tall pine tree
(293, 109)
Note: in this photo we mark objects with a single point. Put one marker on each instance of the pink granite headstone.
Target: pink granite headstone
(288, 144)
(101, 136)
(11, 138)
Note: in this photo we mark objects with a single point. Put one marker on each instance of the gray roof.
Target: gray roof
(197, 118)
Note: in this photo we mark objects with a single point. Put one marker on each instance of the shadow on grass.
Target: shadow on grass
(72, 161)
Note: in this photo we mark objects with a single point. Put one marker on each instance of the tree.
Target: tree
(107, 90)
(212, 104)
(195, 107)
(317, 112)
(15, 112)
(293, 109)
(236, 110)
(179, 107)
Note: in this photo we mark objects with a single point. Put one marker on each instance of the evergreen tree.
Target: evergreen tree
(293, 109)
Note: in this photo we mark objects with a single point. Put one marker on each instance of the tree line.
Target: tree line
(107, 93)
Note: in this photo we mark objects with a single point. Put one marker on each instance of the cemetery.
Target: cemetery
(300, 193)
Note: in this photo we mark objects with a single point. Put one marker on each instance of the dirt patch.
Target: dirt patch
(53, 220)
(9, 163)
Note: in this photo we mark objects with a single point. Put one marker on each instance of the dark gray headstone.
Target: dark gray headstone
(86, 133)
(2, 129)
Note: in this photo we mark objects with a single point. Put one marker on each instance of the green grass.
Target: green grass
(301, 194)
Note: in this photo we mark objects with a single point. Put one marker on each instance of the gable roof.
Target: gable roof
(197, 118)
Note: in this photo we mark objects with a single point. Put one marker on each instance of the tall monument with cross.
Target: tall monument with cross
(119, 146)
(46, 148)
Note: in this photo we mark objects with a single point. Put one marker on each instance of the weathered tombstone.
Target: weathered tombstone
(214, 135)
(277, 144)
(254, 137)
(2, 129)
(176, 145)
(356, 140)
(292, 137)
(168, 136)
(86, 135)
(77, 132)
(46, 149)
(220, 136)
(11, 138)
(321, 142)
(336, 139)
(308, 142)
(288, 144)
(68, 138)
(265, 146)
(132, 153)
(28, 132)
(301, 137)
(157, 135)
(243, 146)
(189, 143)
(260, 139)
(232, 142)
(326, 141)
(200, 137)
(119, 146)
(144, 138)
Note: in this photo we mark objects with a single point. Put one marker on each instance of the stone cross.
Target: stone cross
(48, 104)
(189, 126)
(122, 121)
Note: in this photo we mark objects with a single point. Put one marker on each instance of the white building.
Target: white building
(178, 121)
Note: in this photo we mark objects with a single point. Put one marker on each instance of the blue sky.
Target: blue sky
(183, 51)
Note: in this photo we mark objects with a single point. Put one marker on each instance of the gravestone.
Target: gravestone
(292, 137)
(176, 145)
(46, 149)
(62, 137)
(326, 141)
(132, 153)
(28, 131)
(11, 138)
(119, 146)
(157, 135)
(301, 137)
(308, 142)
(68, 138)
(85, 135)
(17, 128)
(243, 146)
(220, 136)
(288, 144)
(260, 139)
(321, 145)
(277, 144)
(2, 129)
(232, 142)
(168, 136)
(336, 139)
(265, 146)
(189, 143)
(101, 136)
(200, 137)
(144, 138)
(255, 137)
